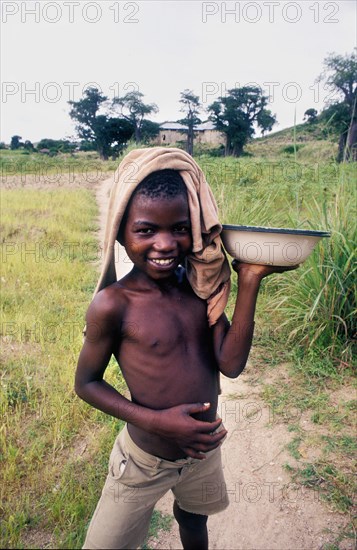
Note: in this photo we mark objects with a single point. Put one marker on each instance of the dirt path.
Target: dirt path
(267, 511)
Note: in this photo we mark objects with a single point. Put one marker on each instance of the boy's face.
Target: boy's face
(157, 234)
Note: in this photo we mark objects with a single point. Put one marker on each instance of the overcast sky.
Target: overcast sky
(52, 50)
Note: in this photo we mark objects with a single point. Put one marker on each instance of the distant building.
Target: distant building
(174, 132)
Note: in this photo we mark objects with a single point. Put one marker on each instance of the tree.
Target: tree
(56, 145)
(340, 75)
(149, 130)
(15, 142)
(191, 107)
(85, 112)
(310, 116)
(265, 120)
(28, 145)
(111, 135)
(108, 134)
(238, 114)
(133, 109)
(336, 116)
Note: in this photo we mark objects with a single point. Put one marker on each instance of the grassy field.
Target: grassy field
(54, 448)
(20, 162)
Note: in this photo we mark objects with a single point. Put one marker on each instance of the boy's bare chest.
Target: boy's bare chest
(165, 321)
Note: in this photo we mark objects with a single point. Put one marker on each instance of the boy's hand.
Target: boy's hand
(259, 271)
(194, 437)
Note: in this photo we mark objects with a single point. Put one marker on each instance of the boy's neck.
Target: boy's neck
(163, 285)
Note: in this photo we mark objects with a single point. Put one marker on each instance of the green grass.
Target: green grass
(159, 522)
(21, 162)
(332, 485)
(319, 301)
(316, 303)
(47, 485)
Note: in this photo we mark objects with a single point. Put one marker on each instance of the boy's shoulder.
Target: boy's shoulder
(109, 303)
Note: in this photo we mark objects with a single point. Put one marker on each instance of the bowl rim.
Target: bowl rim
(284, 230)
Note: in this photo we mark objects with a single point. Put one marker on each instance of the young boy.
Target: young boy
(157, 328)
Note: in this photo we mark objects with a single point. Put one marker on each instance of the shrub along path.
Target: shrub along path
(267, 509)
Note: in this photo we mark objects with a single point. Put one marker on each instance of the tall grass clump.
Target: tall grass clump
(316, 304)
(318, 301)
(54, 447)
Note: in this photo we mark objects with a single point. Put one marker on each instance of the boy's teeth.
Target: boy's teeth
(162, 262)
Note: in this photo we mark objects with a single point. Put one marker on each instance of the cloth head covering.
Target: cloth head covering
(207, 267)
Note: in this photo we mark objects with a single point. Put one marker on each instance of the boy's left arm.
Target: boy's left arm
(232, 342)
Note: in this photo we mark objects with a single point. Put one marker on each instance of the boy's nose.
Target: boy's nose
(165, 242)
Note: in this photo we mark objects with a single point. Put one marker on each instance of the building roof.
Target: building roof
(208, 125)
(172, 126)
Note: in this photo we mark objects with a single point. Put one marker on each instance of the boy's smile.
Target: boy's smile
(157, 234)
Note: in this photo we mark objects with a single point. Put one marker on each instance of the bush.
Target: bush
(290, 149)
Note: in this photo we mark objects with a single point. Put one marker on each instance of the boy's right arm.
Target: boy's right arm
(102, 322)
(176, 423)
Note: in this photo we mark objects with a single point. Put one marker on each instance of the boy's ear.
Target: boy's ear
(121, 230)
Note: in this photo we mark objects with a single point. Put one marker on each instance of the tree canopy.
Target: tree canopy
(15, 142)
(340, 75)
(310, 115)
(85, 112)
(56, 145)
(108, 134)
(111, 134)
(238, 114)
(191, 107)
(133, 109)
(149, 130)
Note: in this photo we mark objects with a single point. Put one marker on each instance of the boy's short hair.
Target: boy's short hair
(162, 184)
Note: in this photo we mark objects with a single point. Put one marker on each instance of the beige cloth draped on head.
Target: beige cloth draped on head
(207, 267)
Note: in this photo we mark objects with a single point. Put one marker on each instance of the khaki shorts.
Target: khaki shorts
(137, 480)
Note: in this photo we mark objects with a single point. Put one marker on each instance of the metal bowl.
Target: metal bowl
(270, 245)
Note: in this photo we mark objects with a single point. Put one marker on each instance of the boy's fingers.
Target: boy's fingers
(219, 435)
(209, 427)
(193, 408)
(209, 442)
(193, 454)
(291, 267)
(205, 427)
(215, 424)
(212, 439)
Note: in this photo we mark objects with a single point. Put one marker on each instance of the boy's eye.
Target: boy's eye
(145, 230)
(182, 229)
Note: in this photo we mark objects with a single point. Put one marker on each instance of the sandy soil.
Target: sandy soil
(267, 511)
